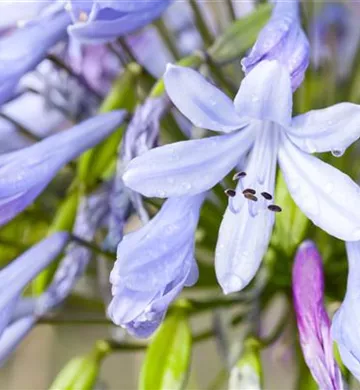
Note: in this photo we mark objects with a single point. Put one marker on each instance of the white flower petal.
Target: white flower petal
(326, 195)
(331, 129)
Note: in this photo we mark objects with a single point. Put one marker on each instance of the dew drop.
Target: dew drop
(232, 283)
(255, 99)
(337, 152)
(329, 188)
(170, 180)
(329, 123)
(186, 186)
(161, 194)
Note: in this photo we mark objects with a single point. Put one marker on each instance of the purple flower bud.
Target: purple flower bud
(282, 39)
(312, 319)
(154, 264)
(346, 321)
(25, 173)
(23, 50)
(21, 271)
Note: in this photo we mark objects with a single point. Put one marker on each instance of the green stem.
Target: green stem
(167, 38)
(93, 247)
(201, 24)
(231, 10)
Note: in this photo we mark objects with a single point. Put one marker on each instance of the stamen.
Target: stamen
(230, 192)
(266, 195)
(249, 191)
(275, 208)
(251, 197)
(239, 175)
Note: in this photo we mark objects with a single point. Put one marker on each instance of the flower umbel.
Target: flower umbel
(191, 167)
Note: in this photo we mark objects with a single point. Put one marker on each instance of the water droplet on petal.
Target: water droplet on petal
(170, 180)
(255, 98)
(161, 194)
(187, 186)
(337, 152)
(232, 283)
(310, 145)
(329, 188)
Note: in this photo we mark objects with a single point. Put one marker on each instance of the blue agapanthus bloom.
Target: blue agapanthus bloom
(284, 40)
(26, 172)
(153, 265)
(259, 120)
(97, 21)
(346, 321)
(21, 271)
(22, 50)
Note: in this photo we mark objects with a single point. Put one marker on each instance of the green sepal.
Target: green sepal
(240, 36)
(247, 373)
(81, 372)
(167, 359)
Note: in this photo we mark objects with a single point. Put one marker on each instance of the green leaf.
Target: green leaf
(240, 36)
(291, 224)
(96, 161)
(167, 360)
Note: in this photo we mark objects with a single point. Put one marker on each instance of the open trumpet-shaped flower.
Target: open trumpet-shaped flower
(260, 116)
(26, 172)
(153, 265)
(284, 40)
(102, 21)
(346, 321)
(21, 271)
(312, 320)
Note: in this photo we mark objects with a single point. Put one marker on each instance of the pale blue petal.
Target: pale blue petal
(25, 173)
(108, 24)
(201, 102)
(13, 335)
(326, 196)
(188, 167)
(246, 227)
(265, 94)
(331, 129)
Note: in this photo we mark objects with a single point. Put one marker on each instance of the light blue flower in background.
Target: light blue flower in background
(102, 21)
(153, 265)
(312, 319)
(284, 40)
(25, 268)
(259, 118)
(346, 321)
(22, 50)
(26, 172)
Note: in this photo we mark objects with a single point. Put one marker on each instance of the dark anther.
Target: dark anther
(275, 208)
(266, 195)
(230, 192)
(249, 191)
(239, 175)
(251, 197)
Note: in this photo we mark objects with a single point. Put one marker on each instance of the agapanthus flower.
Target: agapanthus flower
(103, 21)
(282, 39)
(21, 271)
(153, 265)
(335, 33)
(23, 49)
(312, 319)
(25, 173)
(259, 118)
(346, 321)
